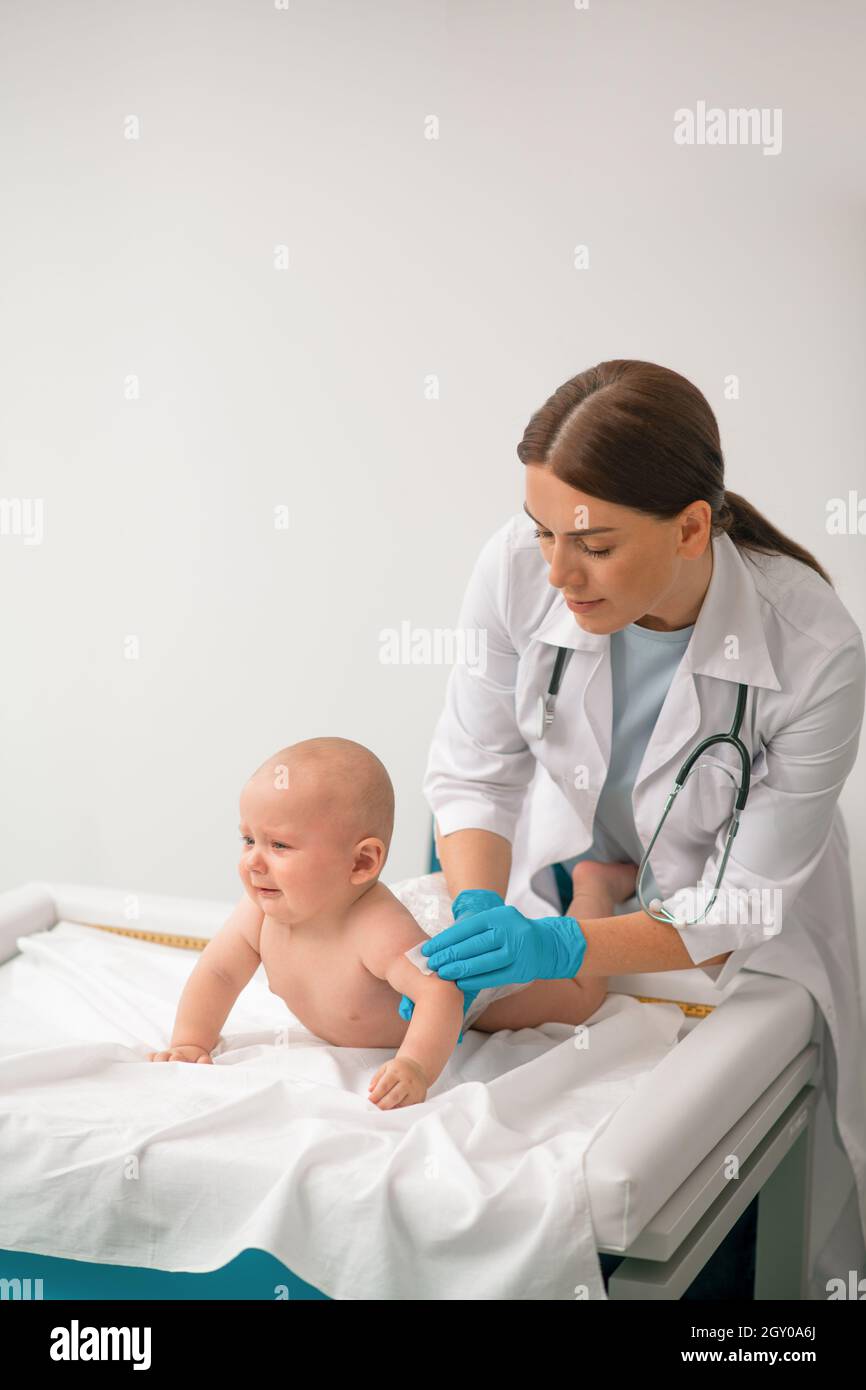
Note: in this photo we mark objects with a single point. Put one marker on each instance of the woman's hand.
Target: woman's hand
(470, 901)
(500, 946)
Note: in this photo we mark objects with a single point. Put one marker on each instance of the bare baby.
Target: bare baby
(316, 826)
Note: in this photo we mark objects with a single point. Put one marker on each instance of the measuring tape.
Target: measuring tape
(198, 943)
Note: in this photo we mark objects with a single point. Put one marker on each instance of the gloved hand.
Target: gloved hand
(499, 946)
(470, 901)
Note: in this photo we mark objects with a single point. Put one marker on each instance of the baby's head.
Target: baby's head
(316, 825)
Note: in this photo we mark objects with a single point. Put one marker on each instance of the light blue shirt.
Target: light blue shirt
(643, 664)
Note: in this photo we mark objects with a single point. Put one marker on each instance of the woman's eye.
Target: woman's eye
(587, 550)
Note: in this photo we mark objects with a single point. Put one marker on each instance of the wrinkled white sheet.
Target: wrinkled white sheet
(478, 1193)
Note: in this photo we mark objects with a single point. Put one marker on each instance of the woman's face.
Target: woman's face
(639, 569)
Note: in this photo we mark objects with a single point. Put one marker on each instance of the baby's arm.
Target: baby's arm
(386, 936)
(436, 1019)
(228, 963)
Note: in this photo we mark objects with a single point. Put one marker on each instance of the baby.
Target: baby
(316, 825)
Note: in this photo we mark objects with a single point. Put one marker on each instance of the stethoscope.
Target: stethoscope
(545, 712)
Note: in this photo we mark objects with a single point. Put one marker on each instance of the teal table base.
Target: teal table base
(254, 1274)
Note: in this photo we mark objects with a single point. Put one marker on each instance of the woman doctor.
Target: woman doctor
(669, 598)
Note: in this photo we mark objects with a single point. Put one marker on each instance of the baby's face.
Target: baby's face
(290, 847)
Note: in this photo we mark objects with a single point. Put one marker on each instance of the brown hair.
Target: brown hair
(645, 437)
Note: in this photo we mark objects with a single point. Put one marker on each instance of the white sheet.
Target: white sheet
(478, 1193)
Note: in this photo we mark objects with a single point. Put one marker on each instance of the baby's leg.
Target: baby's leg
(544, 1001)
(598, 887)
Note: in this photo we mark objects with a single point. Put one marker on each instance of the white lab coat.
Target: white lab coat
(768, 621)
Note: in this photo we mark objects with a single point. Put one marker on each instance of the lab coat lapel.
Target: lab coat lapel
(559, 825)
(727, 643)
(589, 672)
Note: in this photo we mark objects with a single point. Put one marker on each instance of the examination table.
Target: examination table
(738, 1081)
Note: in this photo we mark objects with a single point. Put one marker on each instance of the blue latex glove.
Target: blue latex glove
(499, 946)
(470, 901)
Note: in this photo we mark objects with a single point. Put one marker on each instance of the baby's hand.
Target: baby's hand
(400, 1082)
(186, 1053)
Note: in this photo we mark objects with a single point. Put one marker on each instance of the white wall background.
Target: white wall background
(408, 256)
